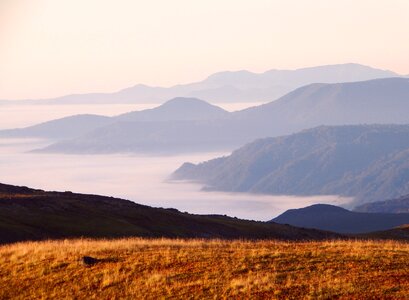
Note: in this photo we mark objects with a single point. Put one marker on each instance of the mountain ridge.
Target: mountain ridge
(228, 86)
(367, 162)
(337, 219)
(30, 214)
(206, 127)
(381, 101)
(398, 205)
(176, 109)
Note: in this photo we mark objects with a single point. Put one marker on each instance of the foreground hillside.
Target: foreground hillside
(153, 269)
(27, 214)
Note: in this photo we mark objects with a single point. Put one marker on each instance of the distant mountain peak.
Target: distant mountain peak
(322, 208)
(232, 86)
(348, 67)
(186, 101)
(179, 109)
(190, 105)
(222, 74)
(334, 218)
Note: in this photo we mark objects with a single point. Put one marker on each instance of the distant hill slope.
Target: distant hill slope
(237, 86)
(381, 101)
(368, 162)
(399, 205)
(375, 101)
(337, 219)
(170, 137)
(68, 127)
(27, 214)
(178, 109)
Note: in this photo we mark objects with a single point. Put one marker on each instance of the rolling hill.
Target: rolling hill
(27, 214)
(367, 162)
(337, 219)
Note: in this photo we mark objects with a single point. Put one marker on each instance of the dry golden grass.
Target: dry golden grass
(163, 268)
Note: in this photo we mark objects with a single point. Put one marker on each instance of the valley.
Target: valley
(140, 178)
(204, 149)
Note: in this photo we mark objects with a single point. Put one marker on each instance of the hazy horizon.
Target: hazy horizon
(53, 48)
(190, 82)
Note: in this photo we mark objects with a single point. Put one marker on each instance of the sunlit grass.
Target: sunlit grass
(161, 268)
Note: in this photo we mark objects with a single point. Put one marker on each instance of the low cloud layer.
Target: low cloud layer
(138, 178)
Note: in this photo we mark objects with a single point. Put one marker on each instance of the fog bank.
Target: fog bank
(142, 179)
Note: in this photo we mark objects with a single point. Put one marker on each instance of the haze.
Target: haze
(56, 47)
(142, 179)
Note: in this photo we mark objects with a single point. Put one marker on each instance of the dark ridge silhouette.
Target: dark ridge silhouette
(397, 233)
(28, 214)
(337, 219)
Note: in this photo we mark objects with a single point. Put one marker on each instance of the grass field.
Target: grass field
(164, 268)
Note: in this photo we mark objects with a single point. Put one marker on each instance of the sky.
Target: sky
(50, 48)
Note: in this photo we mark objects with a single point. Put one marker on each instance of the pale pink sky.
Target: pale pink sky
(55, 47)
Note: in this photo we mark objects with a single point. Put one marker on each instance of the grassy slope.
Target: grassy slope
(152, 269)
(27, 214)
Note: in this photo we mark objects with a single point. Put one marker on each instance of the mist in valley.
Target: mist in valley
(143, 179)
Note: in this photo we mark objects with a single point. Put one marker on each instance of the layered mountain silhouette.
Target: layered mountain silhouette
(374, 101)
(177, 109)
(367, 162)
(68, 127)
(337, 219)
(399, 205)
(240, 86)
(28, 214)
(380, 101)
